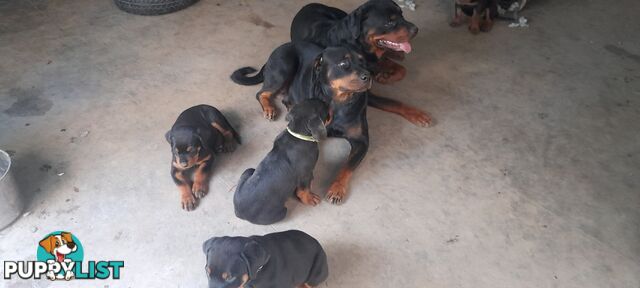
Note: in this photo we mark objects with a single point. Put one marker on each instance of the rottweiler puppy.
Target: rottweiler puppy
(278, 260)
(482, 13)
(377, 28)
(197, 135)
(287, 170)
(339, 76)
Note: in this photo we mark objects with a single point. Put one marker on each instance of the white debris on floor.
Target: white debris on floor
(407, 4)
(522, 23)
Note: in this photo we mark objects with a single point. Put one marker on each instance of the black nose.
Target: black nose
(365, 76)
(71, 245)
(413, 31)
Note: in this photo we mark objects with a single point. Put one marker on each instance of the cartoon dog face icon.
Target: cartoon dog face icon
(59, 245)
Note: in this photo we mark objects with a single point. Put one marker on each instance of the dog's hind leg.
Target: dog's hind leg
(278, 73)
(220, 123)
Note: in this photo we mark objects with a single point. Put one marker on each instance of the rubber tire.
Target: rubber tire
(152, 7)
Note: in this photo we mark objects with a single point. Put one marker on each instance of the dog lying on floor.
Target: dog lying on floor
(197, 135)
(377, 28)
(277, 260)
(482, 13)
(287, 170)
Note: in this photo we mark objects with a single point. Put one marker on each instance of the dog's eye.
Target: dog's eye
(230, 279)
(391, 23)
(344, 65)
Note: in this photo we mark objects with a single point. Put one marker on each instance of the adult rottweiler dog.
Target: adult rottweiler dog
(482, 13)
(197, 135)
(288, 168)
(337, 75)
(377, 28)
(278, 260)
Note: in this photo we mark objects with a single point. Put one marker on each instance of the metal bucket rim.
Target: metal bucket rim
(5, 155)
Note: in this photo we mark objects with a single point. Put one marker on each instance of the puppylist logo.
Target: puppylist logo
(60, 257)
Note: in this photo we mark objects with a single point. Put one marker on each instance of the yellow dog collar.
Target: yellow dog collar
(301, 137)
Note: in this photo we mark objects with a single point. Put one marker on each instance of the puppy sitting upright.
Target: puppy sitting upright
(198, 133)
(287, 169)
(278, 260)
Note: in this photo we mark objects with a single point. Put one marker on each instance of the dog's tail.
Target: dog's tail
(240, 76)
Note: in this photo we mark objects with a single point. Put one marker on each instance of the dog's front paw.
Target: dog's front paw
(391, 73)
(51, 276)
(188, 201)
(69, 275)
(308, 198)
(269, 112)
(337, 193)
(200, 189)
(417, 117)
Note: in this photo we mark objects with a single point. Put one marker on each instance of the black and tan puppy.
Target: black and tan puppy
(340, 77)
(288, 168)
(482, 13)
(377, 28)
(197, 135)
(279, 260)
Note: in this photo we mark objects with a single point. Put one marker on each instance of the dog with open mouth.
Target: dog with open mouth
(59, 246)
(377, 27)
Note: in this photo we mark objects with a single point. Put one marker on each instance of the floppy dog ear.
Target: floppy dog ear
(66, 236)
(48, 243)
(316, 128)
(354, 22)
(207, 245)
(254, 257)
(169, 137)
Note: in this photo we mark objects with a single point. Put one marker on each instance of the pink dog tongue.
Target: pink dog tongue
(405, 46)
(60, 257)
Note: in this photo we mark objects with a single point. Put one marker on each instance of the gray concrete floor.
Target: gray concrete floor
(530, 178)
